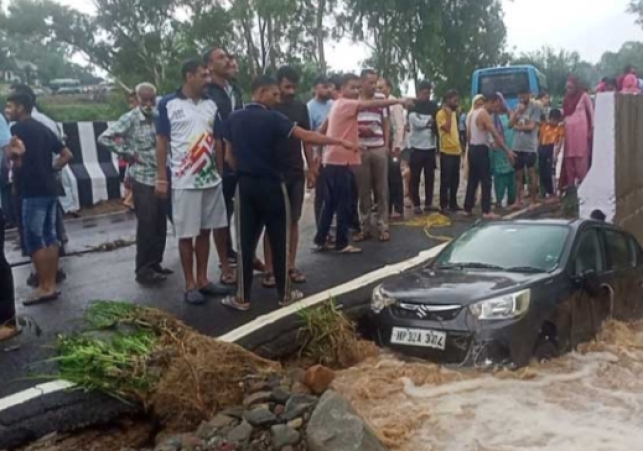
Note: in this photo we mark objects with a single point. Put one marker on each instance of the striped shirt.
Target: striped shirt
(373, 118)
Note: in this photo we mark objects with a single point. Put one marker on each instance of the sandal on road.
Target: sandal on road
(294, 296)
(384, 237)
(228, 279)
(268, 280)
(214, 290)
(233, 303)
(39, 298)
(296, 276)
(350, 250)
(361, 237)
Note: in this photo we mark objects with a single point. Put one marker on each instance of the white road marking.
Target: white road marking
(33, 392)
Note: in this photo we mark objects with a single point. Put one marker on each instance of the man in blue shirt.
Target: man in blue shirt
(318, 109)
(253, 137)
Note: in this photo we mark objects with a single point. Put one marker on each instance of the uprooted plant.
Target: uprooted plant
(143, 355)
(328, 337)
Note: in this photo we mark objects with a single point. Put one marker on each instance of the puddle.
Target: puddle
(591, 400)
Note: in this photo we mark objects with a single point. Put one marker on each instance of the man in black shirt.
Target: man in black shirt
(293, 168)
(39, 191)
(253, 148)
(228, 98)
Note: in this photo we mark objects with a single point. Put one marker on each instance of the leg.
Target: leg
(356, 223)
(396, 188)
(213, 217)
(445, 180)
(319, 195)
(472, 182)
(520, 184)
(484, 169)
(416, 172)
(295, 190)
(249, 224)
(499, 187)
(275, 211)
(7, 295)
(329, 205)
(454, 185)
(429, 164)
(229, 183)
(202, 254)
(187, 222)
(364, 185)
(145, 209)
(341, 191)
(159, 227)
(379, 174)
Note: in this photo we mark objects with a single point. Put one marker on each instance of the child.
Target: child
(504, 179)
(552, 134)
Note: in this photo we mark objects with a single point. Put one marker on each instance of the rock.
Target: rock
(287, 448)
(261, 407)
(241, 434)
(257, 398)
(296, 423)
(299, 388)
(298, 405)
(226, 446)
(234, 412)
(297, 374)
(319, 378)
(280, 395)
(209, 429)
(261, 418)
(279, 410)
(258, 386)
(171, 444)
(335, 425)
(284, 436)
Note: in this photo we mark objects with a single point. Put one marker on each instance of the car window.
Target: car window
(588, 255)
(638, 252)
(619, 249)
(508, 245)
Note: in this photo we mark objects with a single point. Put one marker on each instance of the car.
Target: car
(505, 292)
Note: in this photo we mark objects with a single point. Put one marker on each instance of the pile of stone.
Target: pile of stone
(294, 413)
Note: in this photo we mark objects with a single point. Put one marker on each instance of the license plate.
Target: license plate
(419, 337)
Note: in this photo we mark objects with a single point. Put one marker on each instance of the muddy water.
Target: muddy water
(591, 400)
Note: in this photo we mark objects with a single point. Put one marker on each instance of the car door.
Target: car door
(624, 273)
(588, 310)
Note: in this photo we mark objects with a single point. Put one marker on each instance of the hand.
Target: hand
(512, 157)
(311, 178)
(350, 145)
(133, 159)
(16, 146)
(408, 103)
(396, 152)
(366, 132)
(161, 189)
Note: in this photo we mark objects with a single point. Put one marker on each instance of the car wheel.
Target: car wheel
(546, 349)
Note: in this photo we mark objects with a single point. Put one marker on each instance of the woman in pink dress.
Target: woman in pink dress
(579, 123)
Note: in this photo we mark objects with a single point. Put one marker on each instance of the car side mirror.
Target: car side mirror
(591, 283)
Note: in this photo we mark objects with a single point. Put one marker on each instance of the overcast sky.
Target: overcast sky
(590, 27)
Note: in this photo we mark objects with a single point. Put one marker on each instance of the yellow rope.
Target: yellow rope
(429, 222)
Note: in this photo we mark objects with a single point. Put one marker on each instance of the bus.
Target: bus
(508, 80)
(69, 84)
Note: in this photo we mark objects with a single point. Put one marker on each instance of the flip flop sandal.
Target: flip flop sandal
(295, 296)
(268, 280)
(214, 290)
(233, 303)
(228, 279)
(325, 248)
(296, 276)
(384, 237)
(350, 250)
(35, 300)
(361, 237)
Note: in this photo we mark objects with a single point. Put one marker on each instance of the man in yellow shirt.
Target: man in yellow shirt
(450, 152)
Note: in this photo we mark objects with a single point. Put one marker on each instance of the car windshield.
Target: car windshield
(522, 248)
(510, 84)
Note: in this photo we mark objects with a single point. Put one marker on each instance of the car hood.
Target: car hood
(452, 286)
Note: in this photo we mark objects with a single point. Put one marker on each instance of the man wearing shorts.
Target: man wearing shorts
(293, 166)
(34, 157)
(525, 120)
(188, 123)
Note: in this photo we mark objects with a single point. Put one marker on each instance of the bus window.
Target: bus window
(542, 82)
(510, 84)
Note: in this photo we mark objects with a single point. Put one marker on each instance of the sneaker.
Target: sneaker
(150, 277)
(161, 270)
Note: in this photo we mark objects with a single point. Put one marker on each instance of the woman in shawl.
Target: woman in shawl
(504, 180)
(578, 112)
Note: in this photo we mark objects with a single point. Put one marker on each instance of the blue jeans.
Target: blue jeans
(39, 222)
(338, 192)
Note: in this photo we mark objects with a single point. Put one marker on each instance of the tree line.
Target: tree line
(442, 40)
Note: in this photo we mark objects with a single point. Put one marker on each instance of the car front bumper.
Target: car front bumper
(469, 342)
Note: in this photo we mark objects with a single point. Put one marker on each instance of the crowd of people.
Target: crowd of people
(201, 156)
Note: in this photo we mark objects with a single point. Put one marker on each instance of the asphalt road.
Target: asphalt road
(109, 275)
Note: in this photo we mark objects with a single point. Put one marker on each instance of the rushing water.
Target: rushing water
(591, 400)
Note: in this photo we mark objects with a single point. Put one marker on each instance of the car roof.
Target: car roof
(572, 223)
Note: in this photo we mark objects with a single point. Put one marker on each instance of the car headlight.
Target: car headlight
(380, 300)
(510, 306)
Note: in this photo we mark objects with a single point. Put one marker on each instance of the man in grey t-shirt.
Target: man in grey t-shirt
(525, 121)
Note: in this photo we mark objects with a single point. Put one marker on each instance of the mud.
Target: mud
(590, 400)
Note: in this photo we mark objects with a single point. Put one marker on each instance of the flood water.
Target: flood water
(591, 400)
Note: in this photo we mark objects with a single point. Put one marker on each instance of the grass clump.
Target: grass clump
(328, 337)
